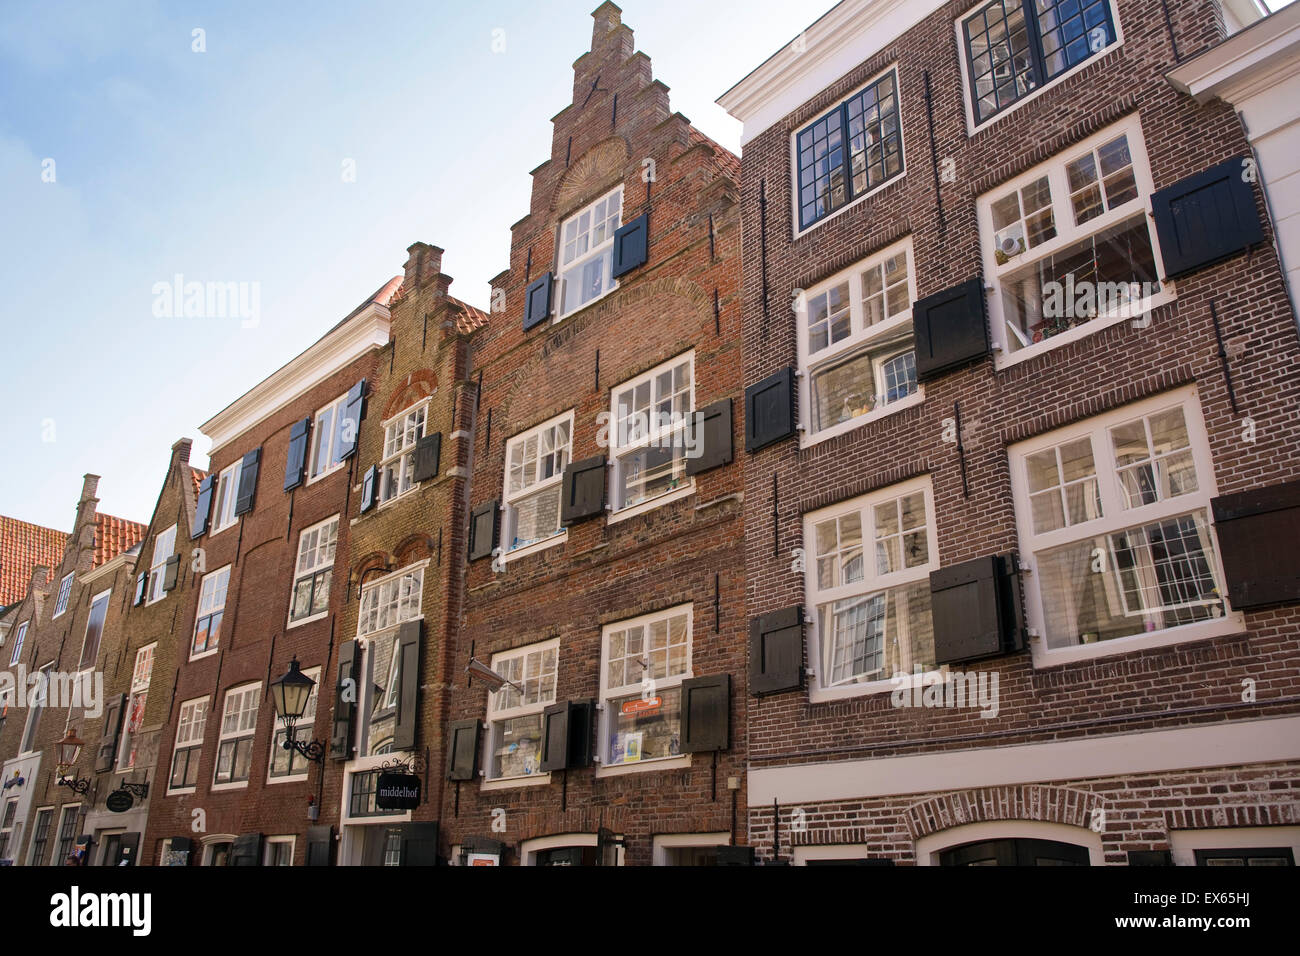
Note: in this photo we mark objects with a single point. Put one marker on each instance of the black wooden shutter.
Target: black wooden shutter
(111, 726)
(320, 845)
(951, 329)
(1259, 543)
(484, 524)
(345, 709)
(463, 764)
(128, 848)
(420, 844)
(582, 494)
(348, 427)
(141, 586)
(408, 701)
(769, 410)
(630, 246)
(776, 651)
(706, 713)
(369, 487)
(428, 456)
(975, 607)
(246, 850)
(537, 300)
(711, 434)
(735, 856)
(247, 482)
(203, 507)
(566, 735)
(1206, 218)
(170, 570)
(295, 463)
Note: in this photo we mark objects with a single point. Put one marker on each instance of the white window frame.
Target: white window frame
(603, 250)
(860, 334)
(65, 591)
(663, 843)
(972, 127)
(141, 674)
(237, 735)
(1183, 844)
(326, 434)
(509, 516)
(18, 642)
(40, 694)
(223, 510)
(378, 583)
(660, 684)
(871, 582)
(319, 567)
(82, 663)
(304, 728)
(497, 713)
(271, 841)
(655, 435)
(1116, 518)
(404, 456)
(51, 835)
(64, 810)
(1068, 234)
(158, 568)
(793, 148)
(202, 611)
(193, 739)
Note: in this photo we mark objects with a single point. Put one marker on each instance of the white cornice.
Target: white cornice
(846, 35)
(1260, 56)
(366, 330)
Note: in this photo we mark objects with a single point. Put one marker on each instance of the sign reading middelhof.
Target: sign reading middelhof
(397, 791)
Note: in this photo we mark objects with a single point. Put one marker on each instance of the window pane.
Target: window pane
(517, 746)
(645, 732)
(875, 636)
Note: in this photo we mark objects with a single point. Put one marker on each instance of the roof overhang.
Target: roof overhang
(1248, 62)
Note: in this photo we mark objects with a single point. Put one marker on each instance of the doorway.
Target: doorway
(1015, 852)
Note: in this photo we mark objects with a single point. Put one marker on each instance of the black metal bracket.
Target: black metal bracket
(413, 765)
(140, 790)
(79, 785)
(1223, 357)
(312, 750)
(961, 448)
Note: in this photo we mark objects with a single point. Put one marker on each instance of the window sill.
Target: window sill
(800, 233)
(676, 494)
(1003, 359)
(295, 778)
(508, 783)
(395, 499)
(644, 766)
(237, 785)
(1050, 657)
(213, 532)
(842, 428)
(208, 653)
(306, 620)
(524, 550)
(822, 695)
(324, 474)
(179, 791)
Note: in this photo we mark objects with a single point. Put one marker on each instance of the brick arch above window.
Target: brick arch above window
(598, 169)
(418, 385)
(374, 561)
(416, 547)
(1044, 804)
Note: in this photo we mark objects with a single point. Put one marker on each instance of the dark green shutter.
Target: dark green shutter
(408, 701)
(630, 246)
(463, 749)
(203, 507)
(369, 488)
(776, 651)
(428, 456)
(247, 850)
(320, 846)
(419, 844)
(1206, 218)
(706, 713)
(711, 433)
(345, 710)
(170, 571)
(582, 494)
(735, 856)
(354, 410)
(951, 329)
(566, 735)
(295, 462)
(247, 482)
(1259, 544)
(107, 752)
(769, 410)
(537, 300)
(484, 525)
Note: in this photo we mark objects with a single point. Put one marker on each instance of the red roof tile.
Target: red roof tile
(115, 535)
(23, 546)
(470, 317)
(197, 477)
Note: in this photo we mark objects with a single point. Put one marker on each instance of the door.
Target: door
(568, 856)
(1015, 853)
(120, 849)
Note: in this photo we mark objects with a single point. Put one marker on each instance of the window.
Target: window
(212, 605)
(849, 152)
(856, 347)
(227, 492)
(189, 744)
(65, 589)
(868, 580)
(94, 629)
(643, 662)
(311, 586)
(7, 827)
(535, 463)
(400, 436)
(278, 851)
(67, 833)
(235, 744)
(41, 836)
(587, 252)
(362, 802)
(163, 547)
(386, 603)
(1014, 47)
(389, 601)
(39, 698)
(514, 716)
(650, 417)
(327, 438)
(140, 677)
(18, 642)
(1114, 513)
(288, 762)
(1262, 856)
(1067, 244)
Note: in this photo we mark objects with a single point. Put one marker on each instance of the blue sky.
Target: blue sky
(226, 166)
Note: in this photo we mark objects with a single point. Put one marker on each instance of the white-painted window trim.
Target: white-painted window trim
(100, 599)
(214, 591)
(51, 836)
(325, 440)
(930, 847)
(655, 434)
(223, 511)
(141, 674)
(164, 546)
(303, 730)
(1068, 233)
(40, 698)
(376, 585)
(861, 334)
(191, 724)
(235, 704)
(506, 704)
(1183, 844)
(402, 433)
(65, 590)
(603, 250)
(664, 842)
(314, 567)
(1114, 518)
(272, 841)
(18, 642)
(871, 582)
(529, 849)
(559, 426)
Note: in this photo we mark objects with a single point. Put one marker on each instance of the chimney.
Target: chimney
(181, 451)
(89, 485)
(423, 261)
(608, 17)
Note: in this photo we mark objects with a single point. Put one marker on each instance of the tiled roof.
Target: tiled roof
(115, 535)
(469, 317)
(23, 546)
(197, 477)
(729, 159)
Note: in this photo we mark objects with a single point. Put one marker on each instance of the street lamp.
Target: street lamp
(69, 749)
(490, 677)
(290, 694)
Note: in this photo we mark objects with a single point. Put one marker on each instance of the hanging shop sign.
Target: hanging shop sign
(397, 791)
(119, 801)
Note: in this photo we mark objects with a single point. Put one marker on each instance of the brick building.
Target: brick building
(1021, 495)
(63, 655)
(606, 576)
